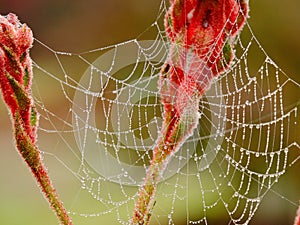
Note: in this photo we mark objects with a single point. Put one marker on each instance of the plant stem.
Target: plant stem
(174, 132)
(15, 84)
(31, 155)
(297, 219)
(145, 202)
(201, 34)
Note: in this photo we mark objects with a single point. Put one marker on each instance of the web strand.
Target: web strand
(110, 116)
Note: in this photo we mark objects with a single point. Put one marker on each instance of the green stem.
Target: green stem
(15, 84)
(173, 134)
(31, 155)
(145, 202)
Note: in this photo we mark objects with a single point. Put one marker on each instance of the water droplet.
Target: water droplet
(205, 23)
(190, 15)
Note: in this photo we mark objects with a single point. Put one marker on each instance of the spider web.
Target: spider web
(110, 114)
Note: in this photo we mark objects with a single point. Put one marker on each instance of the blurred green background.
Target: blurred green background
(76, 26)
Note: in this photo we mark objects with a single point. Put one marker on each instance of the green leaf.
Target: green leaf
(33, 117)
(21, 96)
(26, 77)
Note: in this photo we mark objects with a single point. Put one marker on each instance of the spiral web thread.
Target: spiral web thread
(110, 113)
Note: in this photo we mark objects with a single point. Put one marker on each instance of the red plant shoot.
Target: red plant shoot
(15, 83)
(202, 36)
(297, 219)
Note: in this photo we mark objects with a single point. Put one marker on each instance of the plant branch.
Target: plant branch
(201, 35)
(15, 83)
(297, 219)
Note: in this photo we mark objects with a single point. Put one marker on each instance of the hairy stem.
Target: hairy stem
(31, 155)
(175, 131)
(145, 202)
(297, 219)
(201, 34)
(15, 84)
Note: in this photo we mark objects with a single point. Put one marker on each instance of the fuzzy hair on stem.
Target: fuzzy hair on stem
(15, 84)
(202, 40)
